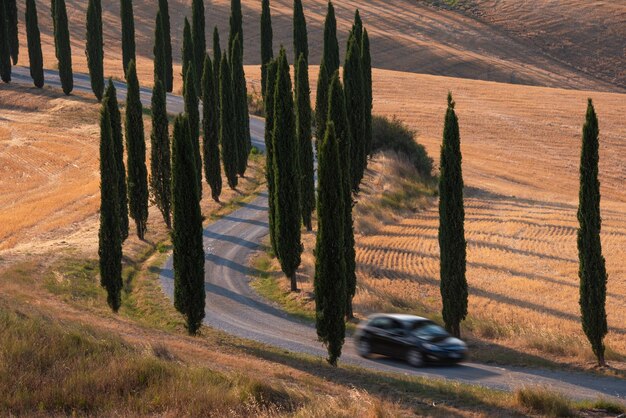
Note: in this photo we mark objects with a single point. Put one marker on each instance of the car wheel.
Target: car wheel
(415, 358)
(363, 347)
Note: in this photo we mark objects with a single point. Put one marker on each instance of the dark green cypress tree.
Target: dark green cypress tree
(128, 32)
(591, 264)
(452, 243)
(366, 65)
(63, 50)
(189, 294)
(5, 50)
(34, 44)
(329, 282)
(169, 69)
(160, 156)
(187, 51)
(355, 101)
(110, 97)
(94, 48)
(217, 61)
(328, 66)
(211, 128)
(300, 36)
(136, 150)
(193, 116)
(337, 113)
(286, 175)
(199, 38)
(240, 111)
(269, 148)
(11, 20)
(357, 27)
(303, 132)
(236, 27)
(160, 72)
(267, 50)
(228, 141)
(109, 237)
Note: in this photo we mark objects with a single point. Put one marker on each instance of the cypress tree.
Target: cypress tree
(193, 116)
(110, 97)
(452, 243)
(169, 69)
(236, 27)
(337, 113)
(34, 44)
(11, 21)
(366, 65)
(355, 101)
(211, 128)
(591, 265)
(5, 51)
(328, 66)
(267, 50)
(160, 72)
(199, 38)
(63, 50)
(357, 27)
(187, 52)
(160, 163)
(303, 133)
(228, 141)
(269, 147)
(217, 61)
(329, 282)
(110, 242)
(109, 237)
(136, 150)
(240, 111)
(286, 175)
(300, 36)
(189, 295)
(128, 32)
(94, 48)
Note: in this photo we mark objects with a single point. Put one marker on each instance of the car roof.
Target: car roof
(399, 317)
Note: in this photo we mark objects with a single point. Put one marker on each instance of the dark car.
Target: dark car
(412, 338)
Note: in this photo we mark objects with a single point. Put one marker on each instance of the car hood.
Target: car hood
(451, 342)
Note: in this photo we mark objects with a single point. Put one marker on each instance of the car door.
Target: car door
(379, 334)
(394, 344)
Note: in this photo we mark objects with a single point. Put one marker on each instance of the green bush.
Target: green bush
(395, 135)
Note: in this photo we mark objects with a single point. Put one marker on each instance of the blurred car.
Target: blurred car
(412, 338)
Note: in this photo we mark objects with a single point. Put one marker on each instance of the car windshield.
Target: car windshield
(430, 332)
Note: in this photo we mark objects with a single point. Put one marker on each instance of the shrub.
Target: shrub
(543, 401)
(395, 135)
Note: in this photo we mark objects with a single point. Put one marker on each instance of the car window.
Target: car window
(381, 322)
(431, 332)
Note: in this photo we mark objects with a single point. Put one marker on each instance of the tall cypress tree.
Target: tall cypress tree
(236, 27)
(591, 265)
(217, 61)
(160, 70)
(5, 50)
(94, 48)
(357, 27)
(109, 237)
(269, 148)
(110, 97)
(34, 44)
(169, 69)
(241, 111)
(452, 243)
(193, 116)
(228, 141)
(11, 20)
(303, 133)
(286, 175)
(328, 66)
(355, 101)
(63, 50)
(187, 51)
(300, 36)
(267, 50)
(366, 65)
(189, 295)
(211, 128)
(337, 113)
(136, 150)
(199, 38)
(160, 156)
(329, 282)
(128, 32)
